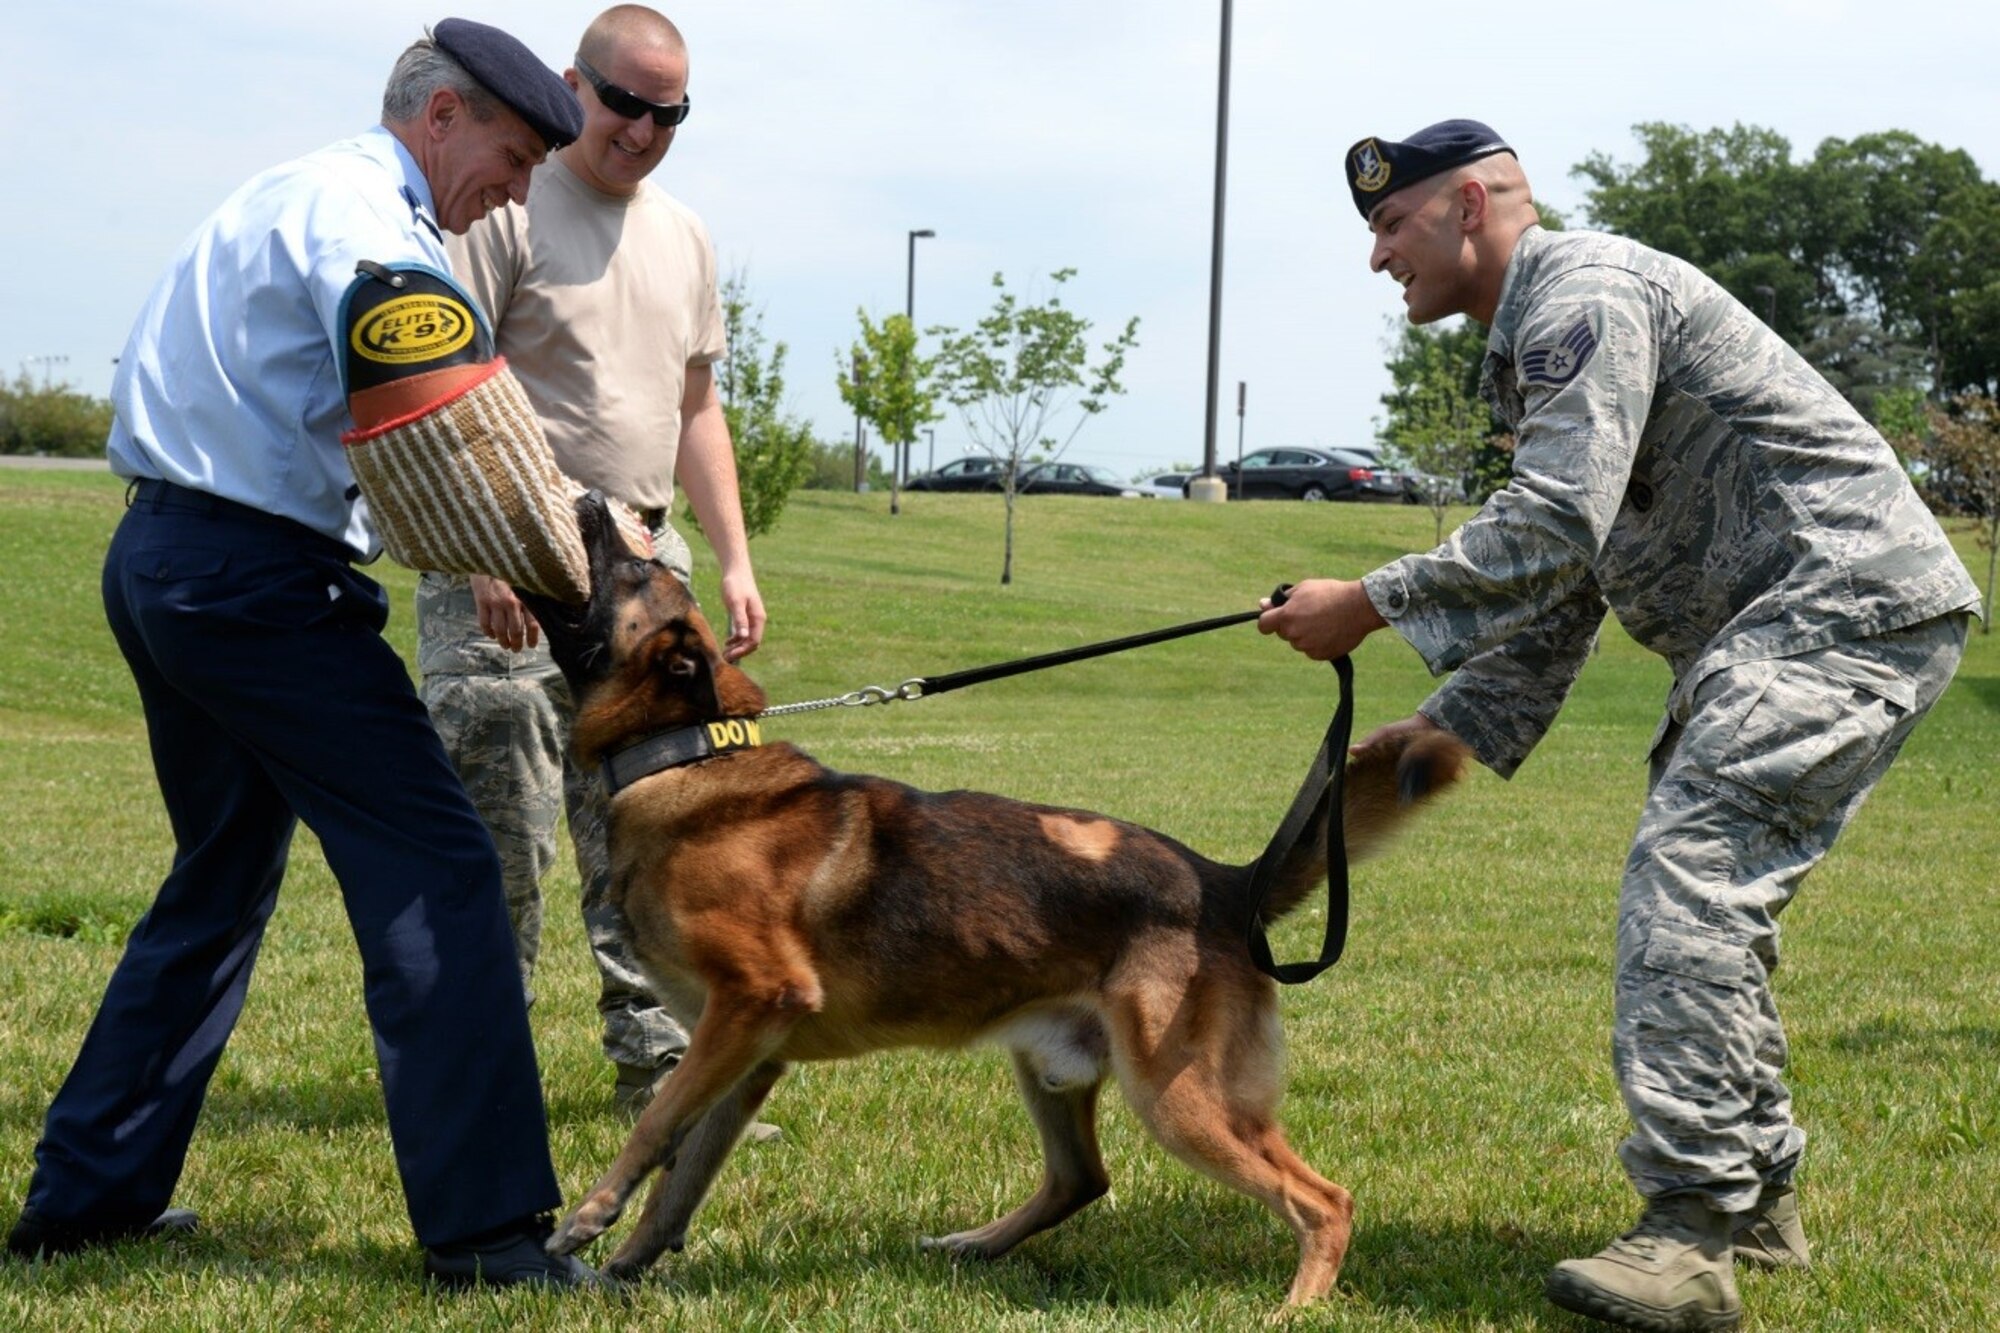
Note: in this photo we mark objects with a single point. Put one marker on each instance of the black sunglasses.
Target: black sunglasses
(631, 105)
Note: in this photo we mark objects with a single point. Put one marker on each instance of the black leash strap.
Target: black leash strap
(1327, 780)
(954, 680)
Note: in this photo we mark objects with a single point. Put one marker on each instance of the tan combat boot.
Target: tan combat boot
(1770, 1235)
(1669, 1274)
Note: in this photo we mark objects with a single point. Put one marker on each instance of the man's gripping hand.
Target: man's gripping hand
(1322, 618)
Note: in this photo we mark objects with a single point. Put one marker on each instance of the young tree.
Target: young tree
(888, 385)
(774, 451)
(1016, 377)
(1435, 426)
(1434, 408)
(1961, 454)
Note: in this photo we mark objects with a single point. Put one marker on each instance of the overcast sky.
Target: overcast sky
(1030, 135)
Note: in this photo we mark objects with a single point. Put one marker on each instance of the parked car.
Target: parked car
(976, 473)
(1070, 479)
(1167, 486)
(1421, 487)
(1311, 474)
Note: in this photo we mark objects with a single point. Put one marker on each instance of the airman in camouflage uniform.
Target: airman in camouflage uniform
(505, 720)
(602, 293)
(1679, 464)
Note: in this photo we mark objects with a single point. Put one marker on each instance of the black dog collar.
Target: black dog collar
(686, 745)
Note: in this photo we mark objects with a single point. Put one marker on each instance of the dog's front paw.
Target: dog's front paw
(590, 1220)
(624, 1270)
(959, 1244)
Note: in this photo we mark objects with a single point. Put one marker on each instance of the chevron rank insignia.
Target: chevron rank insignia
(1558, 363)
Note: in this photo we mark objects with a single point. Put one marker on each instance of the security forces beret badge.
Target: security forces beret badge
(1369, 167)
(1557, 363)
(1377, 168)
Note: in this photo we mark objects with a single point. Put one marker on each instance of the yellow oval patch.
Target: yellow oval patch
(412, 329)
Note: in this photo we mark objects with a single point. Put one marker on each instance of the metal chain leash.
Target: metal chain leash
(864, 697)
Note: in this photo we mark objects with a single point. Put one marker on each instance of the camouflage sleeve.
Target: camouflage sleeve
(1586, 357)
(1502, 702)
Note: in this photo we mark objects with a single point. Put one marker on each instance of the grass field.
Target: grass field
(1452, 1071)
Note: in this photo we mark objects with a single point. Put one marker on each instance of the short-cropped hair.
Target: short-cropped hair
(421, 70)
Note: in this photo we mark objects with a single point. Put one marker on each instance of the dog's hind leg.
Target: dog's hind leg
(679, 1190)
(1201, 1070)
(737, 1032)
(1073, 1173)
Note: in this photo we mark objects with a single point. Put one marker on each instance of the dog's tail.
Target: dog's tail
(1384, 786)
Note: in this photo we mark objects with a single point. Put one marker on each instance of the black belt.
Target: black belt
(167, 496)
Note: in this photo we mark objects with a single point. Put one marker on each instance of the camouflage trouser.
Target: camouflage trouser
(1746, 796)
(505, 719)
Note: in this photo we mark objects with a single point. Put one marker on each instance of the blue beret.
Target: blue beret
(1377, 168)
(511, 73)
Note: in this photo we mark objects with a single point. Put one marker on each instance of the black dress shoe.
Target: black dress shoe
(512, 1254)
(35, 1235)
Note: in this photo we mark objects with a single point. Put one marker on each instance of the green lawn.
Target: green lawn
(1452, 1072)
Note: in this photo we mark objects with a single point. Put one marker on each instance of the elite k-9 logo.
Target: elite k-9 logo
(1560, 363)
(412, 329)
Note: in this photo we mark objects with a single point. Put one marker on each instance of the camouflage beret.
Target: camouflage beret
(511, 73)
(1377, 168)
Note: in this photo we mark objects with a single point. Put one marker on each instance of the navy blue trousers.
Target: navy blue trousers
(271, 697)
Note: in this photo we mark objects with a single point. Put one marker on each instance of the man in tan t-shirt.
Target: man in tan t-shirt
(602, 293)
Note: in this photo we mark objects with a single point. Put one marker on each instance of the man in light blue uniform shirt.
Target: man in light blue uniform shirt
(270, 695)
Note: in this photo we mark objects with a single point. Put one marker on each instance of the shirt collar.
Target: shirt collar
(389, 150)
(1515, 285)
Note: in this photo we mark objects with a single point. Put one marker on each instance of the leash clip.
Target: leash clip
(869, 695)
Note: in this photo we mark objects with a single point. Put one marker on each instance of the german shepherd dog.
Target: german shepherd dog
(814, 915)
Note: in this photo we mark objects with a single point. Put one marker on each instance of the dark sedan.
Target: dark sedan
(1070, 479)
(1311, 474)
(964, 474)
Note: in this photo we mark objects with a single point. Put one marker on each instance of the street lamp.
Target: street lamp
(1770, 295)
(910, 313)
(45, 362)
(930, 454)
(1208, 486)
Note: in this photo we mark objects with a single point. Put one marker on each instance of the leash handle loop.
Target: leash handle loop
(1326, 780)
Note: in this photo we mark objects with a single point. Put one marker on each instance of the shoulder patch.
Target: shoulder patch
(406, 330)
(403, 320)
(1558, 362)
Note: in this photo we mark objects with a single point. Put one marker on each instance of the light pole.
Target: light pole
(930, 452)
(1242, 392)
(910, 313)
(46, 361)
(1208, 486)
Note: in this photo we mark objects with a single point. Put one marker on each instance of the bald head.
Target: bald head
(1510, 204)
(629, 28)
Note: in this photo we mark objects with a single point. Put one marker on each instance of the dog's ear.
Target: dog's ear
(683, 662)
